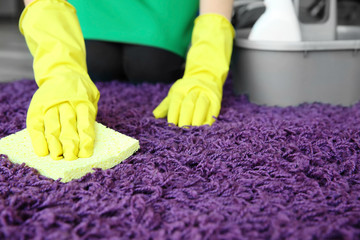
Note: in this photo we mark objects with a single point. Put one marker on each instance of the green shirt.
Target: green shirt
(166, 24)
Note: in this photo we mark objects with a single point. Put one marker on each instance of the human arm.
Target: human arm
(62, 112)
(27, 2)
(221, 7)
(196, 98)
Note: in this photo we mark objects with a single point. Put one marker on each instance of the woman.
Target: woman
(63, 110)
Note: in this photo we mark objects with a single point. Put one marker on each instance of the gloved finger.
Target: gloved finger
(69, 137)
(201, 110)
(214, 111)
(86, 129)
(162, 109)
(187, 109)
(174, 108)
(52, 133)
(36, 129)
(210, 120)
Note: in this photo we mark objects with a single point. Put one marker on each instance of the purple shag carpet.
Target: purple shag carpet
(257, 173)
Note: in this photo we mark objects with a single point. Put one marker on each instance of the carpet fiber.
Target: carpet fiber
(257, 173)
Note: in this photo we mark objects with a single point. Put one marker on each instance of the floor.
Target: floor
(15, 58)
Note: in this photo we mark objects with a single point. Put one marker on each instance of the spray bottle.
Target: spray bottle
(279, 22)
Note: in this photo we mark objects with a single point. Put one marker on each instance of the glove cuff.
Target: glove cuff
(53, 35)
(216, 20)
(38, 5)
(212, 44)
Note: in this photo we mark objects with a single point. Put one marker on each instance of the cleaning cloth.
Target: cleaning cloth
(110, 149)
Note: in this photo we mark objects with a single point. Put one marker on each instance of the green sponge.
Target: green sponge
(110, 149)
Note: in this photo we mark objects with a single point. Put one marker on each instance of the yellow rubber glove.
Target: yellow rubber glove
(196, 98)
(62, 112)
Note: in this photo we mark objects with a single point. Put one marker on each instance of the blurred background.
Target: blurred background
(246, 12)
(16, 61)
